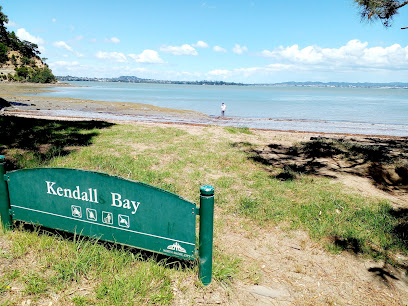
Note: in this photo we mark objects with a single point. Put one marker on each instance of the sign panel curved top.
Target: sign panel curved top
(106, 207)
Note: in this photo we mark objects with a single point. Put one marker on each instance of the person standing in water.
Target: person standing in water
(223, 108)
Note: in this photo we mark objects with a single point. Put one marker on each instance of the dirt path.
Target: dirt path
(288, 268)
(296, 270)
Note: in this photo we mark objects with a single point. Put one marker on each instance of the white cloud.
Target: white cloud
(219, 49)
(105, 70)
(63, 45)
(354, 54)
(239, 50)
(114, 40)
(250, 73)
(69, 68)
(63, 64)
(219, 72)
(24, 35)
(179, 50)
(201, 44)
(112, 56)
(280, 67)
(147, 56)
(354, 60)
(11, 24)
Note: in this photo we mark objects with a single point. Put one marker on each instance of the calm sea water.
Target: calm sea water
(349, 110)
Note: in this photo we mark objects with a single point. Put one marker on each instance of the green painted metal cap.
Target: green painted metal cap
(207, 190)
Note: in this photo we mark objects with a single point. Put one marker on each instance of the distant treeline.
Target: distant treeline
(134, 79)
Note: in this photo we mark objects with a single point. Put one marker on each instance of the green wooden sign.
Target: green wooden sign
(111, 209)
(106, 207)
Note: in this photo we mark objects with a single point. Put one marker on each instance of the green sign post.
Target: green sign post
(4, 198)
(206, 233)
(111, 209)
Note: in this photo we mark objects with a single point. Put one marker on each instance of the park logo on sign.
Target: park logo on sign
(176, 247)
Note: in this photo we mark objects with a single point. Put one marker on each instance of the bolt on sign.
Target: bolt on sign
(111, 209)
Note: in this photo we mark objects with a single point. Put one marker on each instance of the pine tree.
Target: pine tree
(383, 10)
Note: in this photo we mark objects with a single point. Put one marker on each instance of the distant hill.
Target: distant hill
(20, 60)
(134, 79)
(344, 84)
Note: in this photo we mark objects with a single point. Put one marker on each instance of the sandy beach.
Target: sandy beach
(312, 272)
(26, 102)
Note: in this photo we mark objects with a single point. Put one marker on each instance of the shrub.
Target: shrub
(3, 53)
(22, 72)
(14, 60)
(43, 75)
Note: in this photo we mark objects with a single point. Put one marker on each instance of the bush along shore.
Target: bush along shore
(298, 219)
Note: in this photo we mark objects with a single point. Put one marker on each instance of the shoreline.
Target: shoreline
(25, 102)
(249, 165)
(173, 121)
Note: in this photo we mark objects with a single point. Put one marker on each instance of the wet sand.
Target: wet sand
(26, 102)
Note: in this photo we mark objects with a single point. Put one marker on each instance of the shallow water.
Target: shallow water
(379, 111)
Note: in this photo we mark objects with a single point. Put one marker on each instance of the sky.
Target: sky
(267, 41)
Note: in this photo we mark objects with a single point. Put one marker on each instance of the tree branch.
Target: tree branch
(402, 4)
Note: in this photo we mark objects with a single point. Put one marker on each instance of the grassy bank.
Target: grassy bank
(249, 190)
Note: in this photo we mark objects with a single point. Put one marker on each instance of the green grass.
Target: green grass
(119, 276)
(181, 162)
(158, 156)
(344, 221)
(237, 130)
(34, 284)
(150, 284)
(225, 268)
(307, 202)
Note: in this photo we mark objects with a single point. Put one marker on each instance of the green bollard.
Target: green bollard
(6, 221)
(206, 233)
